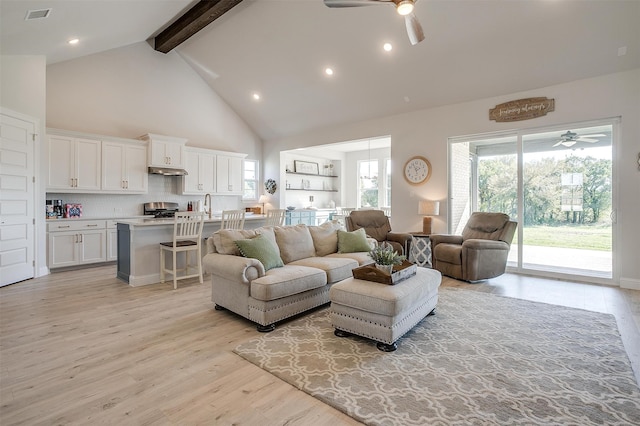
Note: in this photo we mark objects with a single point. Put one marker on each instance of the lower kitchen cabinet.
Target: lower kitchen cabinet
(295, 217)
(112, 240)
(76, 242)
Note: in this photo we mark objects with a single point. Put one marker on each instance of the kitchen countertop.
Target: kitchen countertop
(151, 221)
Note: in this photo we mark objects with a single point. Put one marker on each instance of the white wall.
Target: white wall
(22, 89)
(134, 90)
(426, 132)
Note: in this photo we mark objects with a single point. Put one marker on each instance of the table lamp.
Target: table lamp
(263, 199)
(428, 208)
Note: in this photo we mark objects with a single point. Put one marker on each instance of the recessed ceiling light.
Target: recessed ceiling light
(328, 71)
(74, 41)
(256, 96)
(622, 51)
(387, 47)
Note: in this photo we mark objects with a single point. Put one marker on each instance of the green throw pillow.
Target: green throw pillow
(352, 242)
(262, 249)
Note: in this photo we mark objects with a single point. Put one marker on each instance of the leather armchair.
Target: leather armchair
(376, 225)
(480, 252)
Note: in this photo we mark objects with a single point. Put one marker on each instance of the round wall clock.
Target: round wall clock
(417, 170)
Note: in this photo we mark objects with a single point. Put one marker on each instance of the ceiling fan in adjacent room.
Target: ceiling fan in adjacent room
(571, 138)
(403, 7)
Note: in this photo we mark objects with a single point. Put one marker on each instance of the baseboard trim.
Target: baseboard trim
(630, 283)
(137, 281)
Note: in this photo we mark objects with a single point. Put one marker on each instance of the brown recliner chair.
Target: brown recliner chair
(480, 252)
(376, 225)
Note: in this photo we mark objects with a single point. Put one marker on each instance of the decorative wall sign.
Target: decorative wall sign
(306, 167)
(522, 109)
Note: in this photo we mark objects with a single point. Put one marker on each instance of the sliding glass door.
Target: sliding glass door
(556, 183)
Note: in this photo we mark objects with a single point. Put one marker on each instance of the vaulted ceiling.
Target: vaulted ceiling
(279, 49)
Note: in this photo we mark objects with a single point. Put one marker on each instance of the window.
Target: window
(387, 172)
(368, 183)
(557, 183)
(250, 181)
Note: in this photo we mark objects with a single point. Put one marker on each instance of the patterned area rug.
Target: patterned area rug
(482, 359)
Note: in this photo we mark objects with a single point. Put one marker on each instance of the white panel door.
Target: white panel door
(17, 220)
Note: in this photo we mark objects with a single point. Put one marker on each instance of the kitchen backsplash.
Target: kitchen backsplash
(161, 188)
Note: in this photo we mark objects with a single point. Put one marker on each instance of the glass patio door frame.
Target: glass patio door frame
(518, 134)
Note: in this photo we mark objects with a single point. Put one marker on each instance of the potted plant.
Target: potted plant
(385, 257)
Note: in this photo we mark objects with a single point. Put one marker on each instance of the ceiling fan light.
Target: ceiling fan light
(569, 143)
(404, 7)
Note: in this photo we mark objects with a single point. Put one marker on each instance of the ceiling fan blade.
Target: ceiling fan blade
(414, 29)
(557, 143)
(594, 135)
(581, 139)
(354, 3)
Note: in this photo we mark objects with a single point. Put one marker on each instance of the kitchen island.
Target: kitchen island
(139, 245)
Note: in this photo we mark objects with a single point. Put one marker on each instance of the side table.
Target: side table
(420, 252)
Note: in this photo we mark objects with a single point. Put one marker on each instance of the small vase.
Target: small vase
(387, 269)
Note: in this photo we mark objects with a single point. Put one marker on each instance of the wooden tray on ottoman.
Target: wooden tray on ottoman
(371, 273)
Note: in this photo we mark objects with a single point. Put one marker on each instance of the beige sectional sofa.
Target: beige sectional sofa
(285, 270)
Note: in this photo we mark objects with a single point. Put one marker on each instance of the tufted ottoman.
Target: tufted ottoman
(383, 312)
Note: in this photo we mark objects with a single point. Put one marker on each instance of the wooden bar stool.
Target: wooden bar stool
(187, 236)
(232, 219)
(275, 217)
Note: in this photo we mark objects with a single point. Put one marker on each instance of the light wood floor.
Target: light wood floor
(82, 347)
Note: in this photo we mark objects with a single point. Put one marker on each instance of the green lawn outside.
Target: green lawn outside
(579, 236)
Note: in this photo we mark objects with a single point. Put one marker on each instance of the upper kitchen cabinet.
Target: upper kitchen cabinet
(74, 164)
(124, 167)
(165, 151)
(200, 165)
(229, 174)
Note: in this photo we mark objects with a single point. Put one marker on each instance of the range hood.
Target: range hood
(167, 171)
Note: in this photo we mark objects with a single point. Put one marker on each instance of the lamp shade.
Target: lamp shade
(429, 208)
(263, 199)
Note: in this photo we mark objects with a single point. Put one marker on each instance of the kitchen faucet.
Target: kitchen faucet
(210, 207)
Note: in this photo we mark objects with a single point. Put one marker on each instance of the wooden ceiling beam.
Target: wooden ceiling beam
(195, 19)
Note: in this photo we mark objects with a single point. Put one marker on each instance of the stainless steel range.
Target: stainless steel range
(160, 209)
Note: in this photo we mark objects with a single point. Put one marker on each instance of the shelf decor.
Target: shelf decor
(270, 186)
(306, 167)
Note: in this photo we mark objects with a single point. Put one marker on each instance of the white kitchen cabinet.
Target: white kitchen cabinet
(165, 151)
(124, 167)
(112, 240)
(229, 174)
(76, 242)
(74, 164)
(200, 165)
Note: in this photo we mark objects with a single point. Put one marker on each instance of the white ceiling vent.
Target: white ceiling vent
(37, 14)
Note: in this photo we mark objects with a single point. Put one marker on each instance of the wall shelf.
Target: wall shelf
(310, 174)
(310, 189)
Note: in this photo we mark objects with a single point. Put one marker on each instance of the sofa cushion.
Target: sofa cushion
(224, 239)
(259, 247)
(337, 269)
(295, 242)
(325, 237)
(351, 242)
(287, 281)
(361, 257)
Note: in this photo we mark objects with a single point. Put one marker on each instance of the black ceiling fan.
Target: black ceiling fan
(403, 7)
(571, 138)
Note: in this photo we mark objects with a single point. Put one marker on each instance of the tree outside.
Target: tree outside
(579, 208)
